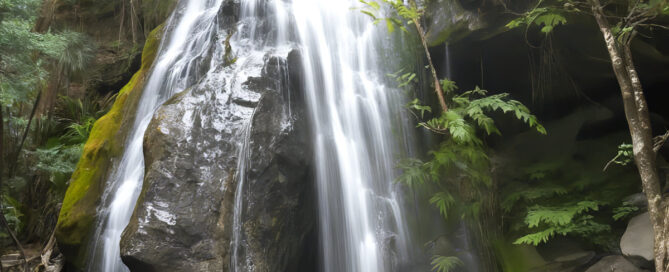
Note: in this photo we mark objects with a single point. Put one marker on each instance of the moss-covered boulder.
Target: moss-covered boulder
(79, 210)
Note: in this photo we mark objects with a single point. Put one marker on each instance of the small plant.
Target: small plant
(13, 215)
(624, 157)
(624, 211)
(445, 264)
(566, 218)
(458, 171)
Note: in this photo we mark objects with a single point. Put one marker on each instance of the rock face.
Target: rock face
(637, 241)
(614, 264)
(449, 21)
(104, 146)
(184, 218)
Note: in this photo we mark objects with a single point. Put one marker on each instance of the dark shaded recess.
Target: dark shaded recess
(137, 265)
(113, 81)
(571, 69)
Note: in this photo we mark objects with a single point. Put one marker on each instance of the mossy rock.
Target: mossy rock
(106, 142)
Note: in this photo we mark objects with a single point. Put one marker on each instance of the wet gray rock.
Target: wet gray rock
(563, 254)
(638, 200)
(183, 220)
(637, 241)
(448, 21)
(614, 264)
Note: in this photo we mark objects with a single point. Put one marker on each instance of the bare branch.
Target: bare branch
(659, 141)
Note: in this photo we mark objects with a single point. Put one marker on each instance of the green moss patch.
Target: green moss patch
(106, 141)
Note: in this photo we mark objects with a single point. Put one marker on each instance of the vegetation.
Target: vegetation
(55, 146)
(458, 170)
(105, 141)
(619, 23)
(566, 197)
(41, 132)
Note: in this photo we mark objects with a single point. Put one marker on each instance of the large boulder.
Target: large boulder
(637, 241)
(183, 220)
(614, 264)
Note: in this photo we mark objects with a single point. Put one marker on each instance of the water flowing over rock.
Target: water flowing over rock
(251, 122)
(240, 133)
(76, 222)
(183, 219)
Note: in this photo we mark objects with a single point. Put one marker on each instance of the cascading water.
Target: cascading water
(345, 60)
(188, 40)
(345, 71)
(362, 227)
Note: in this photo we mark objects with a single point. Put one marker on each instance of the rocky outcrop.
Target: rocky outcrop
(183, 220)
(105, 144)
(614, 264)
(449, 21)
(637, 241)
(117, 30)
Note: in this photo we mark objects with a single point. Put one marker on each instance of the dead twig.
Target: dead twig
(659, 141)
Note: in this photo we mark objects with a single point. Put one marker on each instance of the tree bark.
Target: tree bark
(638, 119)
(433, 71)
(437, 85)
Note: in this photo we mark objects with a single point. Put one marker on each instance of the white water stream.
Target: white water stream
(346, 58)
(187, 38)
(354, 117)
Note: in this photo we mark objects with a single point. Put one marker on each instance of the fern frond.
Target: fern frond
(446, 264)
(558, 216)
(413, 172)
(443, 201)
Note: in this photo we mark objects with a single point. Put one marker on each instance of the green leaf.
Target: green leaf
(549, 21)
(369, 13)
(445, 264)
(443, 201)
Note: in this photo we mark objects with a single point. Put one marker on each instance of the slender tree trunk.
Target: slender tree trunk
(122, 22)
(25, 133)
(433, 71)
(638, 119)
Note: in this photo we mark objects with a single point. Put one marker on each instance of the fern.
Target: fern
(443, 201)
(445, 264)
(624, 211)
(558, 216)
(544, 17)
(13, 215)
(525, 194)
(413, 172)
(463, 154)
(583, 226)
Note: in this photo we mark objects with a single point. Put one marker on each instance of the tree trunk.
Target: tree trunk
(437, 85)
(25, 134)
(433, 71)
(638, 119)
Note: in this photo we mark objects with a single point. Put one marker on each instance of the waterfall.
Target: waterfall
(187, 41)
(346, 58)
(355, 114)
